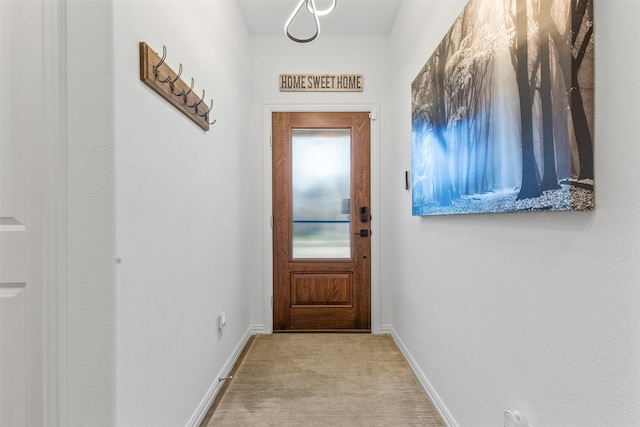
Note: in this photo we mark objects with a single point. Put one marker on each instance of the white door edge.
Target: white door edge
(55, 213)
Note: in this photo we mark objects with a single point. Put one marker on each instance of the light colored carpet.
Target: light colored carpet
(324, 380)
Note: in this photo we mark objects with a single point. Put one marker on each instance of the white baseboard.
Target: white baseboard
(444, 413)
(213, 391)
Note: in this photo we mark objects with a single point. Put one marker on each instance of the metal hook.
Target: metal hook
(173, 82)
(297, 10)
(183, 93)
(185, 96)
(157, 67)
(206, 113)
(195, 105)
(164, 56)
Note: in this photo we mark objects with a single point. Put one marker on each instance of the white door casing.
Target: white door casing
(20, 223)
(31, 171)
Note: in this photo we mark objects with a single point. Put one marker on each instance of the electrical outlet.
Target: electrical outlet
(222, 320)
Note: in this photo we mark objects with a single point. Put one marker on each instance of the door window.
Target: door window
(321, 186)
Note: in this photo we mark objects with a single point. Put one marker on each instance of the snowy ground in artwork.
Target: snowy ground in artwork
(567, 198)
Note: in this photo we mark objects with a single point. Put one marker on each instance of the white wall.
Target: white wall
(181, 210)
(172, 190)
(276, 55)
(531, 311)
(91, 286)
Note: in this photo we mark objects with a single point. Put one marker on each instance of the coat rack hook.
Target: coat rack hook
(156, 68)
(164, 56)
(206, 113)
(172, 82)
(186, 98)
(185, 95)
(206, 116)
(195, 105)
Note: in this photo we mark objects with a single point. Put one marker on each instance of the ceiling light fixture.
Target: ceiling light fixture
(311, 8)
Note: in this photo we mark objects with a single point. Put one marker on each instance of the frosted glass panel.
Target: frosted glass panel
(321, 180)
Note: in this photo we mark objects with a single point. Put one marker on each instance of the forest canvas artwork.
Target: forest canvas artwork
(502, 112)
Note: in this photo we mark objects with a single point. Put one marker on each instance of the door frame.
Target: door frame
(55, 210)
(52, 131)
(372, 109)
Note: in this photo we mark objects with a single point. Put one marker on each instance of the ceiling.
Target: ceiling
(351, 17)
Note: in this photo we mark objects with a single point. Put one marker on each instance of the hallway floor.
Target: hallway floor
(324, 380)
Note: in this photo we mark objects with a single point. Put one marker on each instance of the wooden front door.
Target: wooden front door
(321, 221)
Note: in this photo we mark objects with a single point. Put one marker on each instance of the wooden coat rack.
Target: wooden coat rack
(156, 74)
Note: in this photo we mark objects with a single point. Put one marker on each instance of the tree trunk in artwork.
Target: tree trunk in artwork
(569, 46)
(581, 129)
(550, 178)
(529, 188)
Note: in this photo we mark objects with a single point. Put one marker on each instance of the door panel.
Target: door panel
(322, 262)
(332, 289)
(21, 214)
(13, 367)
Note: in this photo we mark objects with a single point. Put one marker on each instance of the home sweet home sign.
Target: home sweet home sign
(321, 82)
